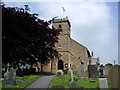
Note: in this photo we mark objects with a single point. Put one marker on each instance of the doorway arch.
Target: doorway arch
(60, 65)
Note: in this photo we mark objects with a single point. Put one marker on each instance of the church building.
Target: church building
(72, 53)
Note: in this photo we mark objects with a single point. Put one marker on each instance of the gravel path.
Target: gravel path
(42, 82)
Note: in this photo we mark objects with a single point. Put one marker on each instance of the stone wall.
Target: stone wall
(79, 50)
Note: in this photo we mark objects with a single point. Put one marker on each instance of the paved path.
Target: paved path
(42, 82)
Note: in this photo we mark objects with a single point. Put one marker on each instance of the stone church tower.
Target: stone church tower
(71, 52)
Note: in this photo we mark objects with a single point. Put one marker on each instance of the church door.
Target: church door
(60, 65)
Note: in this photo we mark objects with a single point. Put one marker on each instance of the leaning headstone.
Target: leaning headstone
(103, 83)
(107, 70)
(11, 77)
(93, 72)
(113, 76)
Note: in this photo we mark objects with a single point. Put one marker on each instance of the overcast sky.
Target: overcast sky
(93, 24)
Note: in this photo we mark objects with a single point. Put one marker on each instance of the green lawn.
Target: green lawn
(0, 84)
(65, 80)
(58, 82)
(21, 84)
(87, 84)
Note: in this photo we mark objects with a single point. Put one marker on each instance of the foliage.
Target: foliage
(108, 64)
(26, 37)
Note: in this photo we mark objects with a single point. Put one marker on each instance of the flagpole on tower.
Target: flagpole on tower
(63, 8)
(64, 12)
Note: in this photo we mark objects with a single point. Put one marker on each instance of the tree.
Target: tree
(108, 64)
(27, 38)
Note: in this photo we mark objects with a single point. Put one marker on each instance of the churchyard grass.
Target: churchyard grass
(22, 82)
(87, 84)
(66, 79)
(0, 84)
(58, 82)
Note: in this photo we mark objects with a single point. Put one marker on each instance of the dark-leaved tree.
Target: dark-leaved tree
(27, 38)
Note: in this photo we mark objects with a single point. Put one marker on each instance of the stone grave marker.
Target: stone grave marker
(65, 71)
(113, 76)
(11, 77)
(82, 69)
(61, 71)
(72, 83)
(58, 73)
(103, 71)
(74, 69)
(92, 71)
(107, 69)
(103, 83)
(72, 77)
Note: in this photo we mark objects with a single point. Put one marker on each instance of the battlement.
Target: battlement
(62, 20)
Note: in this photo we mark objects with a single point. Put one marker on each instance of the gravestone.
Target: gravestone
(65, 71)
(72, 77)
(82, 69)
(103, 83)
(74, 69)
(11, 77)
(107, 69)
(114, 76)
(58, 73)
(72, 83)
(103, 71)
(61, 71)
(92, 71)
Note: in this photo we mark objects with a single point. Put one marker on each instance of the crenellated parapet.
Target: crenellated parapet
(60, 20)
